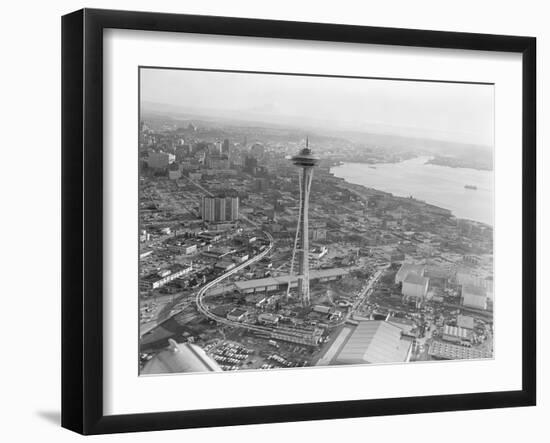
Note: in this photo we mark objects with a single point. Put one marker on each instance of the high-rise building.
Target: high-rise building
(257, 150)
(305, 160)
(220, 208)
(250, 165)
(225, 147)
(216, 162)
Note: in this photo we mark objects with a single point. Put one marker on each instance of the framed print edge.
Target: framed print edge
(529, 193)
(82, 221)
(72, 375)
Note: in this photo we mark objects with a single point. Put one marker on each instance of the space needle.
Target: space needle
(306, 161)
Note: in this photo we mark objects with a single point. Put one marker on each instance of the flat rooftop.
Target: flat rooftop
(465, 321)
(447, 351)
(286, 279)
(371, 341)
(416, 279)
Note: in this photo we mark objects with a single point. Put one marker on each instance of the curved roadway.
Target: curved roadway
(203, 309)
(202, 292)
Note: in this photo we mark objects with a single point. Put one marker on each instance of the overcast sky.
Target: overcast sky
(457, 112)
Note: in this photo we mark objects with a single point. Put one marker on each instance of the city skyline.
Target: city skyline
(385, 273)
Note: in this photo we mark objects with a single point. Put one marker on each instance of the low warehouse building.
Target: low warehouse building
(237, 314)
(456, 334)
(465, 321)
(415, 287)
(406, 269)
(371, 341)
(268, 318)
(447, 351)
(474, 297)
(281, 282)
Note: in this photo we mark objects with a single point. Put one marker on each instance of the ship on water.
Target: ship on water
(471, 187)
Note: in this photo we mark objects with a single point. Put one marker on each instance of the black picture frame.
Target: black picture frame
(82, 219)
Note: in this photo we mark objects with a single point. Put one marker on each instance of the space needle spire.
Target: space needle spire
(305, 160)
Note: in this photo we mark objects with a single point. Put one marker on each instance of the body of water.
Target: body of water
(438, 185)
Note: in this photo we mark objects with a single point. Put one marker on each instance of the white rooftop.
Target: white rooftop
(182, 357)
(374, 341)
(285, 279)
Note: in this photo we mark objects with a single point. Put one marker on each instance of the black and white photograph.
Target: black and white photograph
(290, 221)
(270, 222)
